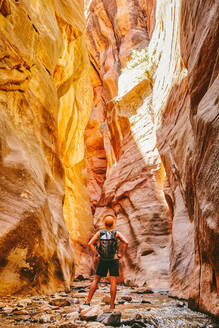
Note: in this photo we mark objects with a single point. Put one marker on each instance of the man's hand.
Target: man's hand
(92, 243)
(125, 244)
(96, 258)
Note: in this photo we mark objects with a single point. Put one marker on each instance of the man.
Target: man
(105, 239)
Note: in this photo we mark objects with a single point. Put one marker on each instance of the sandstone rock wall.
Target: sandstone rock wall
(133, 190)
(125, 172)
(43, 66)
(95, 151)
(114, 29)
(183, 110)
(185, 103)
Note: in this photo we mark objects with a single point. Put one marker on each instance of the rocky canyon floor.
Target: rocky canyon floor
(136, 307)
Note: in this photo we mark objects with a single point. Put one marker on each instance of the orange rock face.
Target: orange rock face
(95, 151)
(128, 178)
(186, 108)
(114, 29)
(39, 41)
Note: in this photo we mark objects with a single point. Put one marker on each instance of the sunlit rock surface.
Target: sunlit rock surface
(72, 77)
(185, 104)
(43, 74)
(114, 29)
(131, 181)
(94, 139)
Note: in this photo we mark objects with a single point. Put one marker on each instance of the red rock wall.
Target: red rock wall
(184, 113)
(124, 168)
(114, 29)
(95, 151)
(187, 133)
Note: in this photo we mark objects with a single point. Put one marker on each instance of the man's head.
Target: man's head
(109, 221)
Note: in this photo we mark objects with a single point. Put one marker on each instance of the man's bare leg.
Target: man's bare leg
(93, 288)
(113, 288)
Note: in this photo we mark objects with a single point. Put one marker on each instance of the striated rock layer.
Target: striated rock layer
(42, 77)
(125, 174)
(185, 103)
(179, 100)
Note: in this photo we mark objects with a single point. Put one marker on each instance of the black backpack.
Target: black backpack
(107, 244)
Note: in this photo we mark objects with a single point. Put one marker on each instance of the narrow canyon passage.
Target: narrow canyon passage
(109, 107)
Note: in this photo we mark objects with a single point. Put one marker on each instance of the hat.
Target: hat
(109, 221)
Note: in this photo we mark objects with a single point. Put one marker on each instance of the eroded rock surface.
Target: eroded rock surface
(124, 168)
(96, 160)
(41, 82)
(179, 100)
(114, 29)
(185, 104)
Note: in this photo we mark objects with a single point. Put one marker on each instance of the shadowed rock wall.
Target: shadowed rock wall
(185, 104)
(41, 78)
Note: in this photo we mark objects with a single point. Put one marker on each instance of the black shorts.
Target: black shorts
(105, 266)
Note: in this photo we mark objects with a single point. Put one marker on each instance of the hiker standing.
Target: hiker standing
(106, 252)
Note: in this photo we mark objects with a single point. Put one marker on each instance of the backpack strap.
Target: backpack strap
(102, 232)
(114, 232)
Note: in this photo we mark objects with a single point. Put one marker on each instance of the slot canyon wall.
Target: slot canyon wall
(44, 70)
(185, 104)
(125, 174)
(172, 108)
(151, 140)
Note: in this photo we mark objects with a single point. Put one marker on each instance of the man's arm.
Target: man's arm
(124, 241)
(92, 242)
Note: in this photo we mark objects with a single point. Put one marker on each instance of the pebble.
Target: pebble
(126, 298)
(138, 316)
(18, 311)
(138, 325)
(90, 313)
(145, 302)
(67, 325)
(143, 290)
(180, 304)
(106, 299)
(65, 310)
(60, 302)
(80, 277)
(95, 325)
(112, 319)
(75, 300)
(72, 316)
